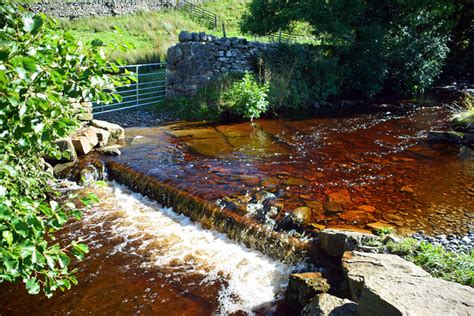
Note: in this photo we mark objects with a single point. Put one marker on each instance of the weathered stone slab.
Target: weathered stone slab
(329, 305)
(84, 141)
(385, 284)
(303, 287)
(102, 135)
(116, 131)
(335, 242)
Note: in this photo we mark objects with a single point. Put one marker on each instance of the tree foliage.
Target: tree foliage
(381, 45)
(42, 72)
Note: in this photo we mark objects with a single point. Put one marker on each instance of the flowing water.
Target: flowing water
(347, 170)
(145, 259)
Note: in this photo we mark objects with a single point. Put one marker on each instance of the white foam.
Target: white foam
(164, 238)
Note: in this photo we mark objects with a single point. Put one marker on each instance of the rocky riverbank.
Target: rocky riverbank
(461, 129)
(373, 283)
(451, 242)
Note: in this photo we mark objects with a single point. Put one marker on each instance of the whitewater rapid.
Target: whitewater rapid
(164, 238)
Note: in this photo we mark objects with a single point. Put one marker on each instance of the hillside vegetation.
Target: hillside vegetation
(152, 33)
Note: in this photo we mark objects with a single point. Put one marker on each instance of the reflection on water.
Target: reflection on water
(350, 170)
(146, 259)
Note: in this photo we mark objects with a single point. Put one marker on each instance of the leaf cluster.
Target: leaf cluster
(45, 77)
(396, 46)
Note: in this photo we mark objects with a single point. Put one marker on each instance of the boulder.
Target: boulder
(185, 36)
(335, 242)
(102, 135)
(83, 110)
(329, 305)
(84, 140)
(112, 150)
(64, 170)
(445, 136)
(116, 131)
(302, 215)
(66, 146)
(385, 284)
(303, 287)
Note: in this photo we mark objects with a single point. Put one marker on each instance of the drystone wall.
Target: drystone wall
(86, 8)
(199, 59)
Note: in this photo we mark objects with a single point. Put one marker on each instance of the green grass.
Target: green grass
(228, 12)
(447, 265)
(151, 33)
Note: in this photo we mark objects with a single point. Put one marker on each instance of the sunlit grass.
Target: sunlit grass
(435, 259)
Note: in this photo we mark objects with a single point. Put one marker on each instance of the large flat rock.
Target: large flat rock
(385, 284)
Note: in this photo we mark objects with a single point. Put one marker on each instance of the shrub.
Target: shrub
(394, 46)
(405, 248)
(42, 73)
(247, 98)
(299, 74)
(208, 104)
(230, 95)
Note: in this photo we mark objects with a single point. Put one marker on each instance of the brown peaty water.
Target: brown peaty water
(148, 260)
(348, 170)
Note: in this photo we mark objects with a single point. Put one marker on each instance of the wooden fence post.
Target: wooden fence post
(223, 30)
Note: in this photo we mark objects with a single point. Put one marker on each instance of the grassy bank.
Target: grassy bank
(435, 259)
(150, 33)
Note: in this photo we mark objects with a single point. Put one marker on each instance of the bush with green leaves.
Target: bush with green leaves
(395, 46)
(247, 97)
(42, 73)
(299, 74)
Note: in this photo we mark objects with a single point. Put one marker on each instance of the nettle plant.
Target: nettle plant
(247, 97)
(42, 72)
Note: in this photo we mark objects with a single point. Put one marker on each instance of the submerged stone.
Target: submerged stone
(445, 136)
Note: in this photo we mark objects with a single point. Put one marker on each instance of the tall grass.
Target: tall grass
(150, 33)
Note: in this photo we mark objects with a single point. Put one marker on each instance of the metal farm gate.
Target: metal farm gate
(150, 88)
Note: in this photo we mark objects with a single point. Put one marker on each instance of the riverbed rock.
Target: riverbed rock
(335, 242)
(375, 226)
(112, 150)
(333, 207)
(341, 196)
(302, 215)
(329, 305)
(385, 284)
(115, 130)
(445, 136)
(303, 287)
